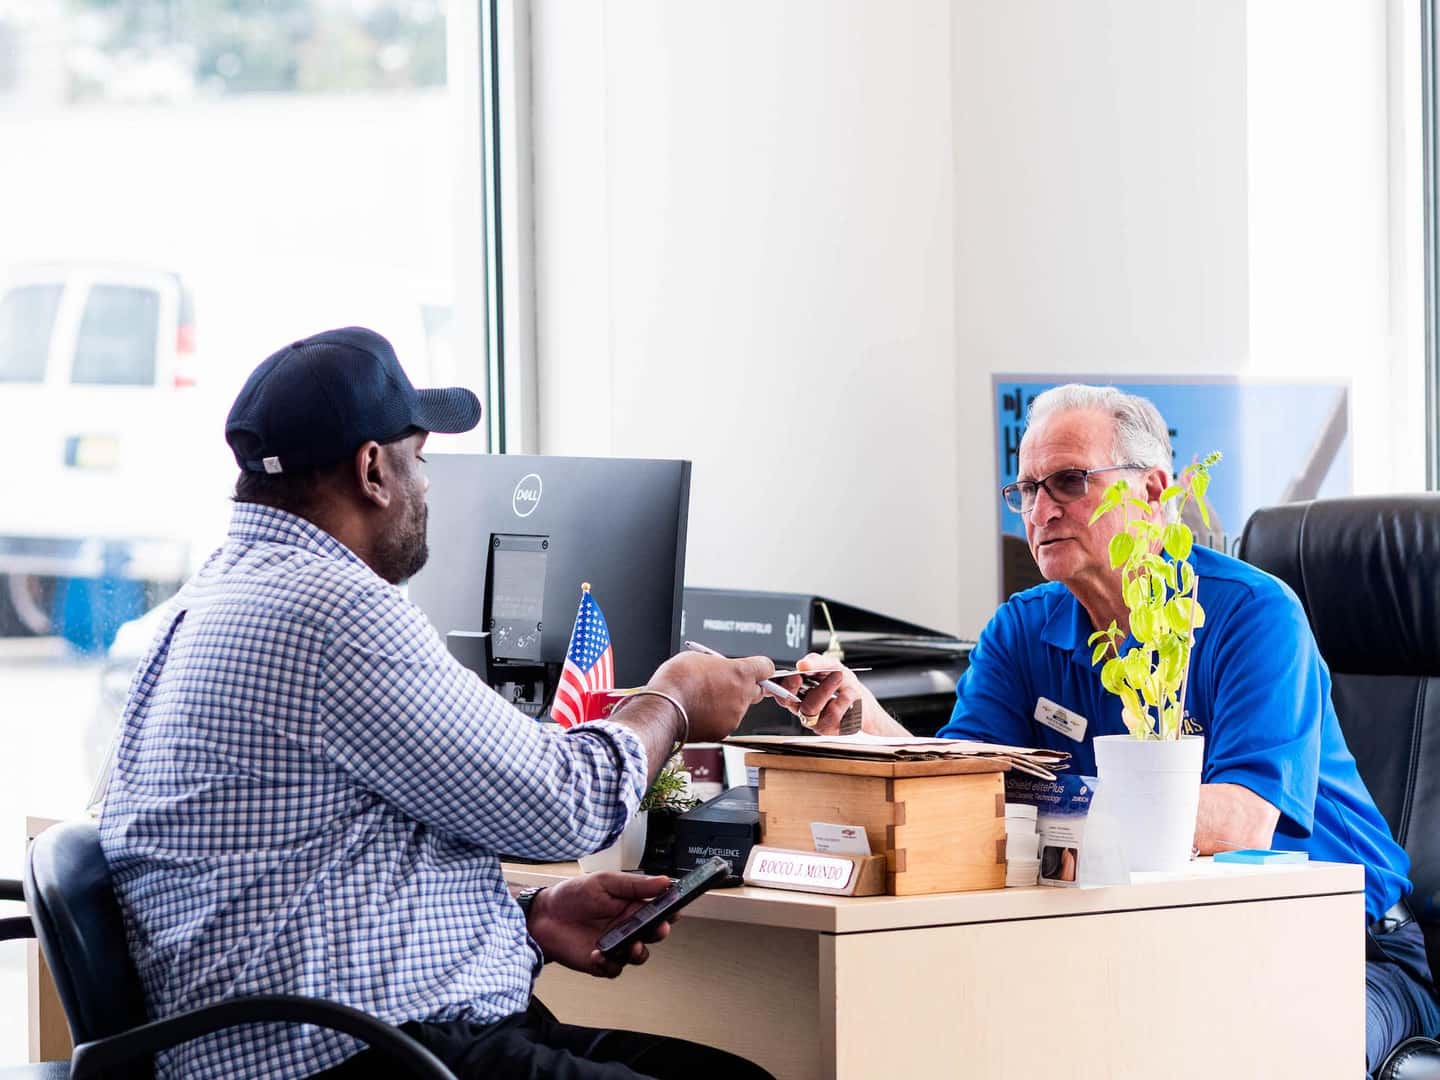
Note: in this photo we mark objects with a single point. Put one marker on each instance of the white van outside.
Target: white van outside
(98, 368)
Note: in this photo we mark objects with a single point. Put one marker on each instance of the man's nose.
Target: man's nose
(1045, 508)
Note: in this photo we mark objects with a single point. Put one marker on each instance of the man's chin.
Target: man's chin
(1052, 559)
(416, 564)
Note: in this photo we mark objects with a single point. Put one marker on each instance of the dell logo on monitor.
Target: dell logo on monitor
(527, 495)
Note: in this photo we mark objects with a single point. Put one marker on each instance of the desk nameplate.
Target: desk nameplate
(814, 872)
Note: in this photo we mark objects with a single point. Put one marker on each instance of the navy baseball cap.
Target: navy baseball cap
(317, 401)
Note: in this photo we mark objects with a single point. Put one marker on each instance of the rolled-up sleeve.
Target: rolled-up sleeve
(405, 720)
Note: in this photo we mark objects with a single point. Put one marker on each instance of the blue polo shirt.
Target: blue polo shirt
(1258, 690)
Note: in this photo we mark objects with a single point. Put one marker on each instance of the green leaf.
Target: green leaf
(1158, 567)
(1148, 693)
(1137, 667)
(1138, 504)
(1142, 625)
(1171, 492)
(1135, 592)
(1170, 721)
(1179, 541)
(1199, 615)
(1121, 547)
(1178, 617)
(1096, 636)
(1112, 675)
(1114, 494)
(1167, 571)
(1134, 714)
(1187, 578)
(1173, 663)
(1156, 590)
(1099, 652)
(1204, 511)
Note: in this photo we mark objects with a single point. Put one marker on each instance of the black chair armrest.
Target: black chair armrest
(18, 926)
(95, 1059)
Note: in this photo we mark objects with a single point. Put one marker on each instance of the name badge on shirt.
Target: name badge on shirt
(1061, 720)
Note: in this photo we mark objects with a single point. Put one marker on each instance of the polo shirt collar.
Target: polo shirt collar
(1068, 626)
(1068, 629)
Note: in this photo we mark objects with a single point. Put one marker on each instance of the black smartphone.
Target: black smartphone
(615, 943)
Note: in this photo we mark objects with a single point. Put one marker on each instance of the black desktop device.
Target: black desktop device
(727, 825)
(513, 536)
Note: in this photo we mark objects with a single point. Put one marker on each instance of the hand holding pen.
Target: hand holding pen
(831, 702)
(771, 687)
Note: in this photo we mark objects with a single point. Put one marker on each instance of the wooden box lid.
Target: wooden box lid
(890, 769)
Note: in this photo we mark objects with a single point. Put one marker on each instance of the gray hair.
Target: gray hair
(1141, 434)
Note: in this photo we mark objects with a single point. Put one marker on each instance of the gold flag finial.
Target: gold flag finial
(584, 586)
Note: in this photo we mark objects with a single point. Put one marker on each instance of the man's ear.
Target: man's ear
(1156, 481)
(372, 474)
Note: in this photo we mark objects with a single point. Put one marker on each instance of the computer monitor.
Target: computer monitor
(513, 536)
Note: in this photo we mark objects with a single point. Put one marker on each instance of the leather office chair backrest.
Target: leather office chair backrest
(1367, 570)
(77, 920)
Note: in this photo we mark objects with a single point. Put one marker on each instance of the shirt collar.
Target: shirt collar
(1068, 626)
(252, 523)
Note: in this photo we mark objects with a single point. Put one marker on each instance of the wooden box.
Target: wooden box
(939, 824)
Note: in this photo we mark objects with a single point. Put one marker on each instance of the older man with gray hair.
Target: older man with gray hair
(1277, 772)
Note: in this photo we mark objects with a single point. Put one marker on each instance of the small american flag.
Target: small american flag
(589, 663)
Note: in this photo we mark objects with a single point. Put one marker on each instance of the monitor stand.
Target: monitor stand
(525, 686)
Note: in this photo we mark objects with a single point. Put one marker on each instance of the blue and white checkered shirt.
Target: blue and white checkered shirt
(308, 798)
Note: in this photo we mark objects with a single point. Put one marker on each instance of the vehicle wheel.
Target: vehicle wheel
(25, 605)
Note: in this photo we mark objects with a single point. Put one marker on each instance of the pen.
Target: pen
(773, 687)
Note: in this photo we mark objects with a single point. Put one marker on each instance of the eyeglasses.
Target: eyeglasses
(1063, 485)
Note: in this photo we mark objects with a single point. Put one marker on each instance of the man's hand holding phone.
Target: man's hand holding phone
(568, 919)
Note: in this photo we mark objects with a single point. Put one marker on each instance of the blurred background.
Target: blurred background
(187, 185)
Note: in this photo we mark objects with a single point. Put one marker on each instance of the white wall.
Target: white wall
(768, 290)
(794, 240)
(1100, 209)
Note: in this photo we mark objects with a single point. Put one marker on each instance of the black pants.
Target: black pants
(533, 1045)
(1399, 1001)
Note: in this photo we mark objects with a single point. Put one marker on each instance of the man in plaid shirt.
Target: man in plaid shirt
(309, 793)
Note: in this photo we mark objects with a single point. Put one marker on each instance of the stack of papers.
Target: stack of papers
(865, 747)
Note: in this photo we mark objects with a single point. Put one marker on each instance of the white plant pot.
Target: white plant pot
(1151, 790)
(625, 853)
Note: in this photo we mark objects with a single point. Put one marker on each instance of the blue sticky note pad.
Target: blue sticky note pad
(1262, 855)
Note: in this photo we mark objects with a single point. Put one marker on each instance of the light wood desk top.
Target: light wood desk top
(1203, 882)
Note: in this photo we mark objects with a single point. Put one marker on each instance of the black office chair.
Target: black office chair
(1367, 571)
(77, 919)
(14, 928)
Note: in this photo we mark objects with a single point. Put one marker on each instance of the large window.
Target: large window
(188, 185)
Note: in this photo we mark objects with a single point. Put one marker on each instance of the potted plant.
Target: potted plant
(1150, 778)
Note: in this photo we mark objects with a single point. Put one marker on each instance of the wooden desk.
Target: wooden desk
(1225, 971)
